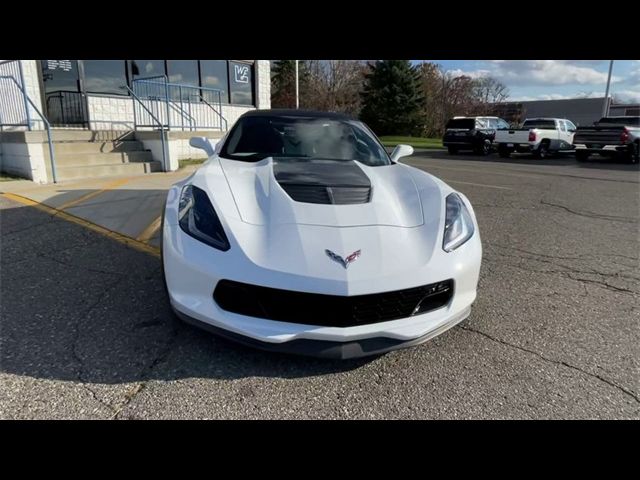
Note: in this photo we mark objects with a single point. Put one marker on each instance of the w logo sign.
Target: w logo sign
(241, 73)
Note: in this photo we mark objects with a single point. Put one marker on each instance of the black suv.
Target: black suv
(472, 133)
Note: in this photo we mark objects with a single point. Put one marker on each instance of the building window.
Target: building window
(184, 72)
(146, 68)
(214, 74)
(241, 83)
(105, 76)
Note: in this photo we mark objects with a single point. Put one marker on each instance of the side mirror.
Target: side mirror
(203, 144)
(401, 151)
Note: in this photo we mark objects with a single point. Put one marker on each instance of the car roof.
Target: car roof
(290, 112)
(475, 118)
(544, 118)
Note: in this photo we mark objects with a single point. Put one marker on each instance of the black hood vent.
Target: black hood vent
(330, 182)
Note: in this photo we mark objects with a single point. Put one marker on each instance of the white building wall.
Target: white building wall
(30, 70)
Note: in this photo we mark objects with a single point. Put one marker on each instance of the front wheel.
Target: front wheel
(485, 148)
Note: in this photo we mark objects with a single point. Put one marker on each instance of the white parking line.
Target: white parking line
(478, 184)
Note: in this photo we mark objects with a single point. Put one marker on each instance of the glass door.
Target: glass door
(65, 102)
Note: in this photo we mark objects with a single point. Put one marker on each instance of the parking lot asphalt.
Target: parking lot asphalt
(86, 331)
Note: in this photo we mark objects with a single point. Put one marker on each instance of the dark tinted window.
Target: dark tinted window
(548, 124)
(183, 71)
(146, 68)
(214, 74)
(105, 76)
(241, 83)
(620, 121)
(255, 138)
(466, 123)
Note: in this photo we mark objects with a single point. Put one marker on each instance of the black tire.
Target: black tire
(543, 151)
(634, 153)
(452, 150)
(582, 156)
(484, 149)
(504, 152)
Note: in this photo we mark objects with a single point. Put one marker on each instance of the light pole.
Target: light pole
(297, 88)
(605, 105)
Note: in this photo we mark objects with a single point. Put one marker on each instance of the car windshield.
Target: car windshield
(465, 123)
(254, 138)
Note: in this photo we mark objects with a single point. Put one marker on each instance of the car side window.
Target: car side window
(570, 125)
(481, 123)
(502, 125)
(562, 126)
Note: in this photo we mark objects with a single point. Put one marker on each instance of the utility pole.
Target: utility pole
(297, 88)
(605, 106)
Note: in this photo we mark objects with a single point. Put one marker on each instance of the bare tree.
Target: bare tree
(451, 95)
(334, 85)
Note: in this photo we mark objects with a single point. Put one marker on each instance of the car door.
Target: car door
(571, 131)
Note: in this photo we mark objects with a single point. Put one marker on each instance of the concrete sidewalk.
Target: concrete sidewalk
(129, 205)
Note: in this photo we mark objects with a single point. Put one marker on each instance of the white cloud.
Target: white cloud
(542, 72)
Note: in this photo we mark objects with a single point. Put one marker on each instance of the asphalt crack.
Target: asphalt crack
(620, 388)
(76, 338)
(139, 387)
(613, 218)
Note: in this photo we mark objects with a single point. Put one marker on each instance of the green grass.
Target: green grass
(415, 142)
(191, 161)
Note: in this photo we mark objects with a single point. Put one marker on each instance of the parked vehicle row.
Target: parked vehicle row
(609, 137)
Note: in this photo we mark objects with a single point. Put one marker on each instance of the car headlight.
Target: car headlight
(198, 219)
(458, 224)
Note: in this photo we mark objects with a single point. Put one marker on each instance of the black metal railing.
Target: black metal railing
(65, 107)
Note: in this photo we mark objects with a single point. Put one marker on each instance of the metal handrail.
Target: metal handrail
(160, 124)
(47, 125)
(164, 83)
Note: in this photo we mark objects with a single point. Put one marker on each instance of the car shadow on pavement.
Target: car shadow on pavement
(562, 159)
(76, 305)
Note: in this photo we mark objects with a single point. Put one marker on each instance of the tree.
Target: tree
(283, 83)
(488, 90)
(448, 94)
(335, 85)
(392, 98)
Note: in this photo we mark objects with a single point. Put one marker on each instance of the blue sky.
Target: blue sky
(554, 79)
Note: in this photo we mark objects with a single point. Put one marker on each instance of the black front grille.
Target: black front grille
(330, 310)
(328, 195)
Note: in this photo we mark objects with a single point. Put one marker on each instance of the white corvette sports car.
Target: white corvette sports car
(301, 234)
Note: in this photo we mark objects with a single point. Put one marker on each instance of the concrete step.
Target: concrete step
(60, 135)
(93, 171)
(113, 158)
(62, 148)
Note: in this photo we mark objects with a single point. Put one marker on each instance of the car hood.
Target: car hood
(264, 193)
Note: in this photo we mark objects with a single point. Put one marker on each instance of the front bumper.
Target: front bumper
(603, 149)
(328, 348)
(193, 270)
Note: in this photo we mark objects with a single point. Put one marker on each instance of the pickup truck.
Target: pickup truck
(540, 136)
(610, 136)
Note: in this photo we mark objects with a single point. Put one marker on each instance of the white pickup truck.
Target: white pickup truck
(540, 136)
